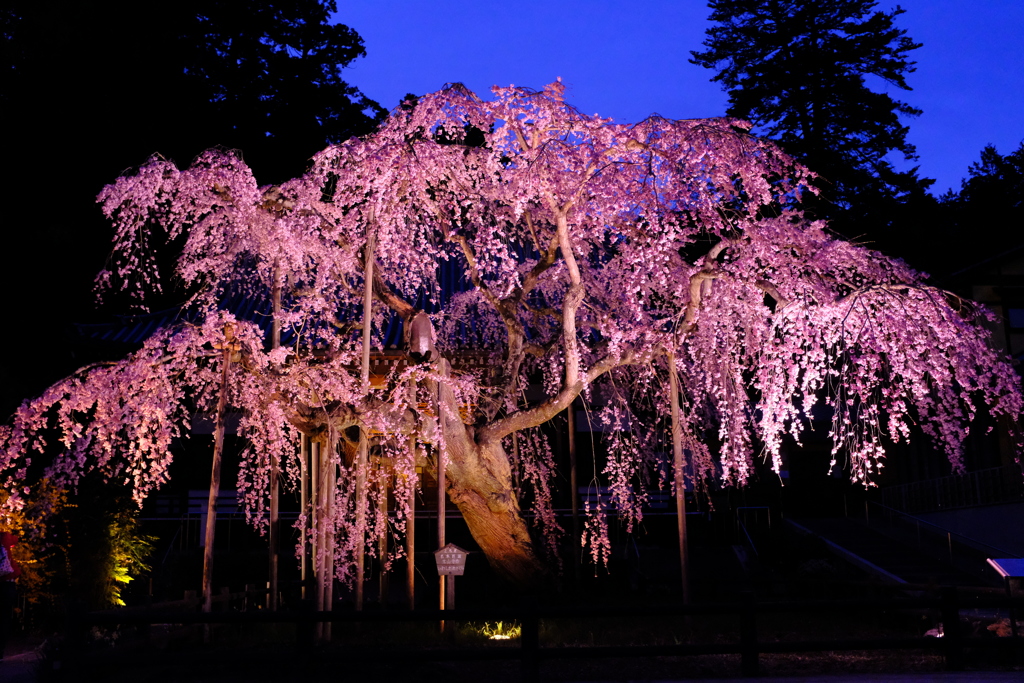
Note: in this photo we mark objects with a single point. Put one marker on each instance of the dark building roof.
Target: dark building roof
(128, 332)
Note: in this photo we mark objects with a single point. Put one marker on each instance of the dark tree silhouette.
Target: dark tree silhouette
(94, 87)
(990, 203)
(802, 72)
(263, 77)
(996, 183)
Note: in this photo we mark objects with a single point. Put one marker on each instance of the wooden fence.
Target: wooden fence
(530, 614)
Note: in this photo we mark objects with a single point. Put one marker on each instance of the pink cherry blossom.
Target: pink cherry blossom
(590, 249)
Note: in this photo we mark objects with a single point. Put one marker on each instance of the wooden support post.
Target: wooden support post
(1010, 611)
(274, 532)
(362, 455)
(442, 588)
(273, 535)
(304, 564)
(330, 480)
(574, 492)
(382, 544)
(317, 533)
(410, 532)
(218, 449)
(441, 496)
(679, 466)
(364, 438)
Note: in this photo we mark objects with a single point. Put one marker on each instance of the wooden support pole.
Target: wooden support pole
(410, 522)
(218, 449)
(304, 564)
(410, 536)
(364, 443)
(679, 465)
(318, 533)
(441, 494)
(574, 493)
(382, 544)
(441, 522)
(274, 532)
(331, 485)
(361, 502)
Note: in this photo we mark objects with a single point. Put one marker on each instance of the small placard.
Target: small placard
(451, 560)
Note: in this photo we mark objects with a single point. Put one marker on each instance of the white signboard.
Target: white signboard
(451, 560)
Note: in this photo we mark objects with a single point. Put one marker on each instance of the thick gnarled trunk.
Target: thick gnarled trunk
(479, 483)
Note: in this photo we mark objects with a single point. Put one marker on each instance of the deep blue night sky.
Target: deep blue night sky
(628, 59)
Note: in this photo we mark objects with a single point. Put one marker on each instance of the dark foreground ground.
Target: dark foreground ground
(791, 567)
(176, 654)
(259, 664)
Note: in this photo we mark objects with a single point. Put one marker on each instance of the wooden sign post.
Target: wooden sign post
(451, 562)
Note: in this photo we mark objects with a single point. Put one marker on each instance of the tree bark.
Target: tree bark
(480, 486)
(479, 482)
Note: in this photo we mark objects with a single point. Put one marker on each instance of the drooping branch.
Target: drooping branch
(548, 409)
(571, 302)
(708, 272)
(508, 309)
(770, 289)
(546, 260)
(386, 295)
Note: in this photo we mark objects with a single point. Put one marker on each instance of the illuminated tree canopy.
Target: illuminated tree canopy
(595, 250)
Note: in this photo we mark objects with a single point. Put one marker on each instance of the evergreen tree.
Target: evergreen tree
(995, 184)
(990, 203)
(97, 86)
(124, 79)
(801, 72)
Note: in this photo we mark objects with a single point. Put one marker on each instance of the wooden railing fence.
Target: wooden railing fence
(530, 615)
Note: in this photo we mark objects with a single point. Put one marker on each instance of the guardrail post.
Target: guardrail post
(952, 640)
(529, 641)
(748, 635)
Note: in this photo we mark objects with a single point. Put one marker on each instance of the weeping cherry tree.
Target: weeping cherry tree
(595, 252)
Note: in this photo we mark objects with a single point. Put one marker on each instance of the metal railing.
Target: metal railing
(962, 552)
(924, 528)
(981, 487)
